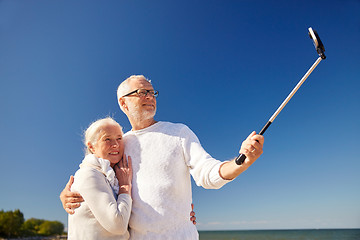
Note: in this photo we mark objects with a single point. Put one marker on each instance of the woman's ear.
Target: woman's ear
(91, 147)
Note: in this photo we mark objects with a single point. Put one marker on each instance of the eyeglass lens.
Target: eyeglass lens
(144, 92)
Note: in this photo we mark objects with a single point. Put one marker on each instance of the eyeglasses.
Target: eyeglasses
(143, 93)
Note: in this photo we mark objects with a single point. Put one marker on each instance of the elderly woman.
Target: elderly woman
(104, 182)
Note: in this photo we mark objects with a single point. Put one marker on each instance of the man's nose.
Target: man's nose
(149, 95)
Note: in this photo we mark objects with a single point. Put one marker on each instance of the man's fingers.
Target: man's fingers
(76, 199)
(253, 141)
(72, 195)
(192, 213)
(70, 199)
(69, 211)
(70, 182)
(258, 138)
(72, 205)
(254, 145)
(251, 135)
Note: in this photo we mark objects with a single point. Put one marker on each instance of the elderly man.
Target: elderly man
(164, 155)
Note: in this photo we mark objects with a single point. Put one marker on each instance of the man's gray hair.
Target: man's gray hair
(124, 86)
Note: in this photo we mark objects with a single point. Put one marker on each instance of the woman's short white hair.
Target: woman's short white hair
(91, 134)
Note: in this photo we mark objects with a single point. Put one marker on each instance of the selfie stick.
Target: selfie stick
(320, 50)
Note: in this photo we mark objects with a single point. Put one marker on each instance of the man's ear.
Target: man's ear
(122, 104)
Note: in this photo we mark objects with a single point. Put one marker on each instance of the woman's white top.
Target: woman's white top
(103, 215)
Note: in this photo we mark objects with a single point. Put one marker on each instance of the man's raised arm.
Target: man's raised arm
(252, 147)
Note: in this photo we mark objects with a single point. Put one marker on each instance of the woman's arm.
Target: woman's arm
(112, 214)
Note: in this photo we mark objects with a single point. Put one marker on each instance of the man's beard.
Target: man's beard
(140, 115)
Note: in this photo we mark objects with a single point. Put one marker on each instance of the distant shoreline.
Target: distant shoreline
(319, 234)
(280, 229)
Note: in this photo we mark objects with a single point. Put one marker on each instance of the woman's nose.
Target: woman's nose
(114, 144)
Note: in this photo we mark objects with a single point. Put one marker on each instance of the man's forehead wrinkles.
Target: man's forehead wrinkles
(146, 87)
(142, 82)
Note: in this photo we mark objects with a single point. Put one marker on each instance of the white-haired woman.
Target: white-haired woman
(104, 182)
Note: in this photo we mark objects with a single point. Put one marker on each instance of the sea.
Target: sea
(306, 234)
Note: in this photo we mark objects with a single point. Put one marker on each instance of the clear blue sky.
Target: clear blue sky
(221, 67)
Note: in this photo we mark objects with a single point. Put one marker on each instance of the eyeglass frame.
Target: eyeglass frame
(156, 93)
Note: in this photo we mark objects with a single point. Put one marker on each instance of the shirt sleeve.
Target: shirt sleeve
(112, 214)
(203, 168)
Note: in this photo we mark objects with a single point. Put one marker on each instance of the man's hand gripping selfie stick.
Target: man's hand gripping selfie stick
(320, 50)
